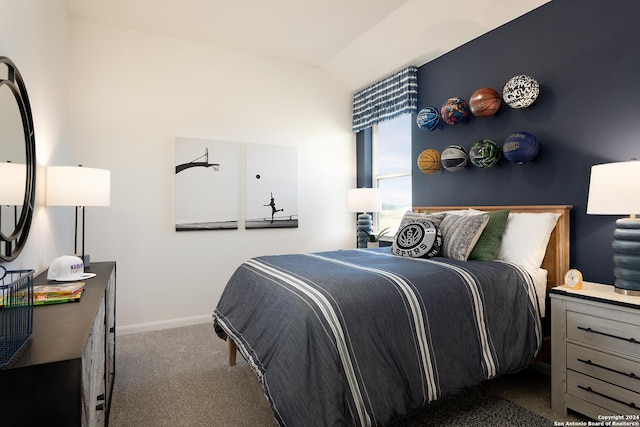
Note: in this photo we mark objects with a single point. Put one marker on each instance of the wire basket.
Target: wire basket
(16, 312)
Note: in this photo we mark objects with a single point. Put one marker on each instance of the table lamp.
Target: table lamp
(12, 177)
(80, 187)
(12, 188)
(613, 191)
(364, 200)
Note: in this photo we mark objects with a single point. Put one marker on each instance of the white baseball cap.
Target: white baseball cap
(67, 268)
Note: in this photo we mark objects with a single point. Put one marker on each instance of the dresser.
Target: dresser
(64, 376)
(595, 352)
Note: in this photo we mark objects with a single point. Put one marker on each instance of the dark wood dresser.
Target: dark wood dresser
(64, 376)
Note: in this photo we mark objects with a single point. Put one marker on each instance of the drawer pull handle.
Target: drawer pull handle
(589, 362)
(101, 397)
(590, 390)
(100, 407)
(631, 340)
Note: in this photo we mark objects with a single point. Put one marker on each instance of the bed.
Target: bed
(358, 337)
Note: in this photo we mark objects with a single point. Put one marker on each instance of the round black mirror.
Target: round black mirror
(17, 162)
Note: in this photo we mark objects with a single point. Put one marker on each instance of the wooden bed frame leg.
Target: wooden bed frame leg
(233, 351)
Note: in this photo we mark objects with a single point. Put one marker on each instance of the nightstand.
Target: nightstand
(595, 351)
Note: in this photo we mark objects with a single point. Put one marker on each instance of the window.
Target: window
(392, 169)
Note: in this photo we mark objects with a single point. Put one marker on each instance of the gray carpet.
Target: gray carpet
(179, 377)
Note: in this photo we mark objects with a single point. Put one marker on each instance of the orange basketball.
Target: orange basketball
(484, 102)
(429, 161)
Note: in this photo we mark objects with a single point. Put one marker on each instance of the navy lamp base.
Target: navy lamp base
(365, 225)
(626, 259)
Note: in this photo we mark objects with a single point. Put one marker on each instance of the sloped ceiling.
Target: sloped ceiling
(356, 41)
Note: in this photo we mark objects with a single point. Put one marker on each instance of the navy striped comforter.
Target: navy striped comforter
(357, 337)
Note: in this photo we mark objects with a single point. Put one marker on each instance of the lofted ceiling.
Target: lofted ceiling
(355, 41)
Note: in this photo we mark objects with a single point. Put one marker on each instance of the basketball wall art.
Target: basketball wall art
(429, 161)
(207, 184)
(271, 182)
(484, 102)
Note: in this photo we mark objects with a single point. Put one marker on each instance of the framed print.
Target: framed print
(271, 184)
(207, 184)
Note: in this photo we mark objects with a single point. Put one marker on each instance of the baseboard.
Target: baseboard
(163, 324)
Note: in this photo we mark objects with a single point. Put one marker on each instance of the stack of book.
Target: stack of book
(57, 293)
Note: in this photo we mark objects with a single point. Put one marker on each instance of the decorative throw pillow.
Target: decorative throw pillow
(486, 248)
(410, 216)
(460, 234)
(525, 238)
(420, 238)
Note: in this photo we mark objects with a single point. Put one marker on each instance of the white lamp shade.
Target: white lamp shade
(78, 186)
(364, 200)
(613, 189)
(13, 177)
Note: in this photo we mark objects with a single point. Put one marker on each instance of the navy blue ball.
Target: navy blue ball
(520, 147)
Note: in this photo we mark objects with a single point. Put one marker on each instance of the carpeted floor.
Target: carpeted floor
(179, 377)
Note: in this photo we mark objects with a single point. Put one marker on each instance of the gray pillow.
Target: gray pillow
(460, 234)
(417, 239)
(410, 216)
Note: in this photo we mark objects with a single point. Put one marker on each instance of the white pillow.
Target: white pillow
(525, 238)
(460, 212)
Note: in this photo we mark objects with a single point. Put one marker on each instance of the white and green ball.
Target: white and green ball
(454, 158)
(484, 153)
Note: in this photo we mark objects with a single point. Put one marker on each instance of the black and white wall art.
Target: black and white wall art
(271, 186)
(207, 184)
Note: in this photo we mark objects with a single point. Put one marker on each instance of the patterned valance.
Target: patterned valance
(387, 99)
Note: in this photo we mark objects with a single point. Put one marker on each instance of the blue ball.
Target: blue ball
(520, 147)
(455, 111)
(429, 119)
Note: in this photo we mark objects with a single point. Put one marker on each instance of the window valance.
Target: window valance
(387, 99)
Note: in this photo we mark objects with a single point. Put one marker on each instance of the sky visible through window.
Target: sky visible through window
(393, 156)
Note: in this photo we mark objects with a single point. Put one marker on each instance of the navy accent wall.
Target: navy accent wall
(586, 56)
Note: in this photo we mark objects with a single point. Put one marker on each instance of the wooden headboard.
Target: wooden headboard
(556, 259)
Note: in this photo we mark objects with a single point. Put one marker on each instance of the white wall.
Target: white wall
(130, 95)
(33, 34)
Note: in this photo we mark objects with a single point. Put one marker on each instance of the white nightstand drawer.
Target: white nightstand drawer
(603, 333)
(616, 399)
(616, 370)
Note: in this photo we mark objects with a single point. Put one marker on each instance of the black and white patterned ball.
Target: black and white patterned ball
(520, 91)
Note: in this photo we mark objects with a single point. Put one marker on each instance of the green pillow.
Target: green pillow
(486, 249)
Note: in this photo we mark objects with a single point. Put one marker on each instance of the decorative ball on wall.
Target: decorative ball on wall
(520, 147)
(484, 153)
(485, 102)
(521, 91)
(454, 158)
(454, 111)
(429, 118)
(429, 161)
